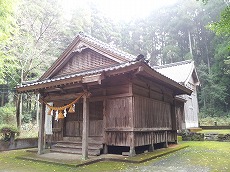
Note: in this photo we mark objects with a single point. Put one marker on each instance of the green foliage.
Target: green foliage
(7, 114)
(7, 21)
(8, 127)
(7, 29)
(222, 27)
(210, 121)
(191, 136)
(34, 33)
(215, 131)
(8, 131)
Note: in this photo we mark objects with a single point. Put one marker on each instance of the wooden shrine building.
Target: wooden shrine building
(104, 101)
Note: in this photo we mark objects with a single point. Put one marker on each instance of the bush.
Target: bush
(7, 114)
(189, 136)
(8, 131)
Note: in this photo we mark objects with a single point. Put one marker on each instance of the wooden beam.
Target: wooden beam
(72, 96)
(41, 134)
(50, 84)
(129, 129)
(92, 78)
(85, 132)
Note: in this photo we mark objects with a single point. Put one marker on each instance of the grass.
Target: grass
(215, 131)
(214, 155)
(9, 162)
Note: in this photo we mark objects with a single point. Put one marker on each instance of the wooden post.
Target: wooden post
(174, 120)
(166, 139)
(85, 132)
(132, 151)
(41, 134)
(105, 148)
(38, 109)
(151, 147)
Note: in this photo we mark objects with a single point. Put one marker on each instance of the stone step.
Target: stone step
(79, 139)
(94, 152)
(79, 143)
(71, 146)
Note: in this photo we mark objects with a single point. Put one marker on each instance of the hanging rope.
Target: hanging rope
(59, 110)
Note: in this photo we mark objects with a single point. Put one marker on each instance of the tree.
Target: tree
(32, 47)
(7, 28)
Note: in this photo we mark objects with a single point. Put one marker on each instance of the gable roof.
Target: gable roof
(180, 72)
(138, 67)
(125, 63)
(83, 41)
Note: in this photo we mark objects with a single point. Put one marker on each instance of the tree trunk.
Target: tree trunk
(2, 98)
(190, 43)
(18, 111)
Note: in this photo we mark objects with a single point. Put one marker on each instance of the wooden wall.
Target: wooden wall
(152, 110)
(127, 112)
(86, 60)
(118, 121)
(150, 113)
(71, 126)
(154, 137)
(180, 115)
(118, 113)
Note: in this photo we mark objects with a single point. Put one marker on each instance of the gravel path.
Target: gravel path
(175, 162)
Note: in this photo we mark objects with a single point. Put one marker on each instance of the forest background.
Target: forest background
(34, 33)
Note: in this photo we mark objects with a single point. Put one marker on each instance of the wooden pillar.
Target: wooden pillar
(151, 147)
(41, 134)
(174, 120)
(105, 148)
(85, 132)
(166, 139)
(132, 151)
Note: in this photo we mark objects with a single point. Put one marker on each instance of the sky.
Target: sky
(122, 9)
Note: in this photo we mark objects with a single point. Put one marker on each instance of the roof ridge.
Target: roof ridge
(173, 64)
(107, 46)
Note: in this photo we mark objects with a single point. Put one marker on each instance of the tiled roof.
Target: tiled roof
(178, 72)
(106, 46)
(85, 73)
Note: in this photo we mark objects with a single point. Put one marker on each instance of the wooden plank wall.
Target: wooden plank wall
(74, 128)
(147, 138)
(86, 60)
(118, 121)
(71, 126)
(154, 137)
(118, 112)
(118, 138)
(150, 113)
(180, 118)
(57, 127)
